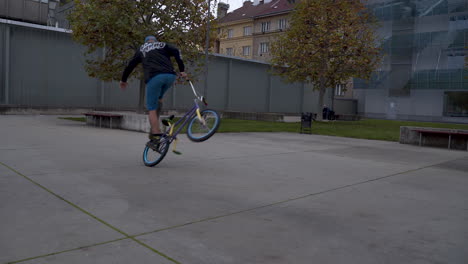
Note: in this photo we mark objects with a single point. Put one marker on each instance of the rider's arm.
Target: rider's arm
(137, 58)
(176, 54)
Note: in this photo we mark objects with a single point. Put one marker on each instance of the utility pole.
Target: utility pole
(207, 46)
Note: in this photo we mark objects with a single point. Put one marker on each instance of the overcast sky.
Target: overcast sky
(233, 4)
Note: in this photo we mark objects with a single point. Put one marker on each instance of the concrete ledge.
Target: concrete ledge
(129, 121)
(15, 110)
(440, 137)
(135, 122)
(103, 119)
(49, 110)
(139, 122)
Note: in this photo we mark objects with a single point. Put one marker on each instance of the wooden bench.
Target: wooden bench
(101, 116)
(440, 132)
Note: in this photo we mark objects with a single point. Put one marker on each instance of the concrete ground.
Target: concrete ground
(70, 193)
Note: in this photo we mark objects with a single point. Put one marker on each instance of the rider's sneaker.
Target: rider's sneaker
(154, 142)
(154, 136)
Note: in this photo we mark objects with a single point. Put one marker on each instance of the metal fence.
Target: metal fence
(43, 67)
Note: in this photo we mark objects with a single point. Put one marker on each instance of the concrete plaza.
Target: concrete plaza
(71, 193)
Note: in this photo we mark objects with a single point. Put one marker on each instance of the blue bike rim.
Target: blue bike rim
(189, 128)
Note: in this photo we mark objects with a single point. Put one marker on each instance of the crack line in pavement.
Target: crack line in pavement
(89, 214)
(290, 199)
(67, 250)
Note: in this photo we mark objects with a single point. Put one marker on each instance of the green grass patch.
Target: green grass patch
(366, 129)
(78, 119)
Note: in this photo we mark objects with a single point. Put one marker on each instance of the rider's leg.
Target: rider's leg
(154, 122)
(155, 91)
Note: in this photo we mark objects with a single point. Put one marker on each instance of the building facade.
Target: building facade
(62, 12)
(248, 31)
(32, 11)
(423, 76)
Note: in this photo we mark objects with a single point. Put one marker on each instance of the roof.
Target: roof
(248, 10)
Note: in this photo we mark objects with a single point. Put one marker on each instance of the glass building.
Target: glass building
(423, 75)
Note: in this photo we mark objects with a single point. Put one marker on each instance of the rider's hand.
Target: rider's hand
(183, 74)
(123, 85)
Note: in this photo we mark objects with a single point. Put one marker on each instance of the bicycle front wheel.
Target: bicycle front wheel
(201, 130)
(151, 157)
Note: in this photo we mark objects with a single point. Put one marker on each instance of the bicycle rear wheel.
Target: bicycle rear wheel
(198, 131)
(153, 157)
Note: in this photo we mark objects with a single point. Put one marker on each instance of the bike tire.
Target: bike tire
(151, 157)
(197, 132)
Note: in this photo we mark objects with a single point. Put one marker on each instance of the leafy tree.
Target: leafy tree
(118, 28)
(328, 42)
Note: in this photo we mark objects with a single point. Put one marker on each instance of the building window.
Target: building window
(265, 26)
(456, 104)
(282, 23)
(229, 52)
(230, 33)
(246, 50)
(247, 31)
(264, 47)
(340, 90)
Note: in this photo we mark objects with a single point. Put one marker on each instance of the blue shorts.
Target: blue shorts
(156, 88)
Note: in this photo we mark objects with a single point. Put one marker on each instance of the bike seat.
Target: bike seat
(166, 121)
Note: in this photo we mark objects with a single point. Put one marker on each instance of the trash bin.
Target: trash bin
(306, 123)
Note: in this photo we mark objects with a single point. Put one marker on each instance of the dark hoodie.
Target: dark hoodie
(156, 59)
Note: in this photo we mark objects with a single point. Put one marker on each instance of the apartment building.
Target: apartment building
(248, 31)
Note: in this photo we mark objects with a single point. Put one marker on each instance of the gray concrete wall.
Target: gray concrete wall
(3, 53)
(45, 68)
(345, 106)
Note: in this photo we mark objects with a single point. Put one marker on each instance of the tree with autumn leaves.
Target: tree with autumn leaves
(117, 28)
(328, 42)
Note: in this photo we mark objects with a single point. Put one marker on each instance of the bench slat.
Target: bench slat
(440, 132)
(103, 114)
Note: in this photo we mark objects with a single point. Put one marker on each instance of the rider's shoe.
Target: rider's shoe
(154, 136)
(155, 140)
(152, 144)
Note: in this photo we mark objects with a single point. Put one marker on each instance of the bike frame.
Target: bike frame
(171, 136)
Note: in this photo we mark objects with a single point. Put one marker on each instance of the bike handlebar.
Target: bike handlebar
(201, 98)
